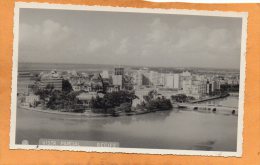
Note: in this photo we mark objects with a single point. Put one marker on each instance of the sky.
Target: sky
(138, 39)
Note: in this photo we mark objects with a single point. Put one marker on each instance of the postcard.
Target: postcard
(128, 80)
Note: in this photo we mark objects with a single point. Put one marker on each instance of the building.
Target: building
(137, 78)
(117, 80)
(198, 89)
(119, 71)
(155, 78)
(209, 88)
(169, 81)
(187, 86)
(85, 97)
(24, 83)
(140, 93)
(186, 74)
(176, 81)
(105, 74)
(112, 88)
(55, 82)
(194, 88)
(31, 99)
(51, 74)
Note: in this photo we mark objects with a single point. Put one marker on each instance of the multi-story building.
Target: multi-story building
(154, 77)
(24, 83)
(169, 81)
(194, 88)
(117, 81)
(119, 71)
(176, 81)
(209, 88)
(55, 82)
(141, 78)
(186, 86)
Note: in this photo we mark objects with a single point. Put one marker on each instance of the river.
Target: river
(176, 129)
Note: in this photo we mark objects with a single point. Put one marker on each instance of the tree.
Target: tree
(121, 99)
(66, 86)
(180, 98)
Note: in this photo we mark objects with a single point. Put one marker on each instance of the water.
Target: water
(174, 129)
(231, 101)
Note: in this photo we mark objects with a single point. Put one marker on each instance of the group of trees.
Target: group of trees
(113, 102)
(154, 102)
(181, 98)
(64, 99)
(60, 100)
(157, 104)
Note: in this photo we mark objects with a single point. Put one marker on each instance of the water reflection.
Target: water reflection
(176, 129)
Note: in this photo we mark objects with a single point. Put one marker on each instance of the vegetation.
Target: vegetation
(111, 102)
(154, 103)
(64, 100)
(181, 98)
(158, 104)
(66, 86)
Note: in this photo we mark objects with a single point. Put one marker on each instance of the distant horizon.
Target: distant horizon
(139, 66)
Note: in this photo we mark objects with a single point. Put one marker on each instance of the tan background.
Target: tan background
(251, 132)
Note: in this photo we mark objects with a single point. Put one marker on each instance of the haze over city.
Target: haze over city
(91, 37)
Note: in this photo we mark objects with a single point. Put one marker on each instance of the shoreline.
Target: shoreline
(85, 114)
(210, 98)
(99, 115)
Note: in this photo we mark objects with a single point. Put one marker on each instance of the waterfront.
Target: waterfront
(174, 129)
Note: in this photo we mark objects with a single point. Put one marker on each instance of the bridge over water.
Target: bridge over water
(214, 108)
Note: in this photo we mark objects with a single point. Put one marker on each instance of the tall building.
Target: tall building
(209, 88)
(142, 77)
(176, 81)
(24, 83)
(117, 81)
(119, 71)
(187, 85)
(169, 81)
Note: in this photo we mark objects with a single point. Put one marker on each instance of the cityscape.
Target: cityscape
(128, 80)
(72, 91)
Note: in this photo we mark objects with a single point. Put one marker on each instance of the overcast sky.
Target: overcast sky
(60, 36)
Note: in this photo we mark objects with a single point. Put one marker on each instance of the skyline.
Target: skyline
(153, 40)
(133, 66)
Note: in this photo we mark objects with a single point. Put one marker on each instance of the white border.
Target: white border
(242, 15)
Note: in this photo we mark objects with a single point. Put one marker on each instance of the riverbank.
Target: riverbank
(88, 114)
(210, 98)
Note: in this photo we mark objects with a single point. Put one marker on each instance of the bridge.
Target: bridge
(214, 108)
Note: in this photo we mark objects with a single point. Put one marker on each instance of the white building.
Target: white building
(31, 99)
(154, 77)
(105, 74)
(117, 80)
(86, 97)
(176, 81)
(186, 74)
(169, 81)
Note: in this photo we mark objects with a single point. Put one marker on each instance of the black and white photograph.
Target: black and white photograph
(131, 80)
